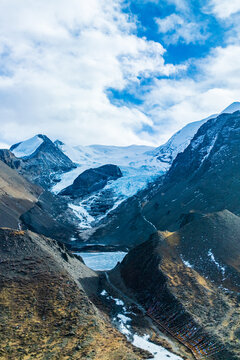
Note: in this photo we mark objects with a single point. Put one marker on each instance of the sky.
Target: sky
(115, 72)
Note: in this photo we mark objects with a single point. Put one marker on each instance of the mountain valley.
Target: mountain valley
(174, 210)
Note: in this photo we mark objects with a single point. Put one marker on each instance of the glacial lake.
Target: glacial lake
(101, 261)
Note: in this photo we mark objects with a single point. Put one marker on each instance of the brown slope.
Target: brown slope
(45, 309)
(25, 205)
(17, 196)
(179, 279)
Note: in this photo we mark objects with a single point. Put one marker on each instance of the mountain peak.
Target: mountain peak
(28, 147)
(235, 106)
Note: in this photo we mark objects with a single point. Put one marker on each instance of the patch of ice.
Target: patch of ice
(118, 302)
(209, 149)
(219, 266)
(67, 179)
(104, 293)
(85, 218)
(124, 318)
(28, 147)
(157, 351)
(123, 323)
(186, 263)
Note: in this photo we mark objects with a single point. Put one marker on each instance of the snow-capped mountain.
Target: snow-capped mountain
(178, 142)
(28, 147)
(58, 165)
(140, 165)
(235, 106)
(41, 161)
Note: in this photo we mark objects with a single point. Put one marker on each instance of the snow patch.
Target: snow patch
(232, 108)
(219, 266)
(157, 351)
(123, 323)
(28, 147)
(209, 149)
(186, 263)
(85, 218)
(179, 141)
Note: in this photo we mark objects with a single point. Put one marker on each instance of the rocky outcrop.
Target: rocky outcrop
(10, 159)
(92, 180)
(46, 307)
(189, 283)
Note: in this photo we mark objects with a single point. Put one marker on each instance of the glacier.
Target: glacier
(140, 166)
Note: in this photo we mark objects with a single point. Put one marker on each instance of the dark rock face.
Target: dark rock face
(124, 226)
(9, 159)
(44, 166)
(92, 180)
(204, 178)
(51, 217)
(46, 311)
(189, 283)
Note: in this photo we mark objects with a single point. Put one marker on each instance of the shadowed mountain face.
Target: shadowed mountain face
(17, 196)
(205, 177)
(46, 311)
(39, 160)
(25, 205)
(189, 282)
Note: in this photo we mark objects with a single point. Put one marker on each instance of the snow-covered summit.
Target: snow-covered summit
(167, 152)
(97, 155)
(235, 106)
(181, 139)
(28, 147)
(42, 161)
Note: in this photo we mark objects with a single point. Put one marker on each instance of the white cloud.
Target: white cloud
(178, 27)
(58, 57)
(173, 103)
(224, 8)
